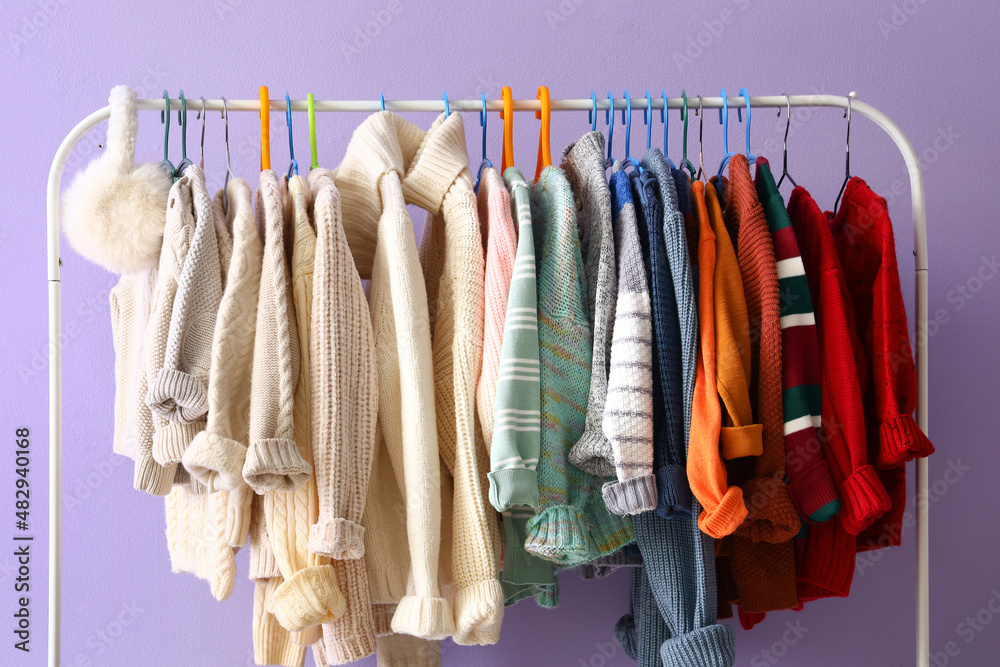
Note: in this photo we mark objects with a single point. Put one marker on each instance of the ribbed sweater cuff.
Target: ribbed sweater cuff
(634, 495)
(175, 394)
(901, 441)
(771, 517)
(337, 538)
(828, 563)
(406, 651)
(274, 464)
(263, 564)
(428, 618)
(593, 453)
(170, 441)
(864, 499)
(342, 650)
(308, 597)
(478, 613)
(711, 646)
(726, 517)
(813, 493)
(513, 486)
(559, 534)
(382, 614)
(216, 461)
(151, 477)
(740, 441)
(273, 644)
(675, 493)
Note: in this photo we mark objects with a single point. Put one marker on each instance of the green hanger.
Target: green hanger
(182, 121)
(685, 162)
(311, 105)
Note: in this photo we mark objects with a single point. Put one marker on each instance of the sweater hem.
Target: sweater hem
(513, 486)
(864, 499)
(308, 597)
(901, 441)
(216, 461)
(337, 538)
(275, 464)
(634, 495)
(710, 646)
(478, 613)
(424, 617)
(771, 517)
(726, 517)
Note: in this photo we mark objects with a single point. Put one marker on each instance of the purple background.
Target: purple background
(929, 64)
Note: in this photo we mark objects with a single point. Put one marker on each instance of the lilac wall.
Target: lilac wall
(914, 59)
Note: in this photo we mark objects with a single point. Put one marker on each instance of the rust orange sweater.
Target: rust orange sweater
(718, 283)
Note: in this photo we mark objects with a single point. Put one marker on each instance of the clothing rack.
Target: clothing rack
(855, 106)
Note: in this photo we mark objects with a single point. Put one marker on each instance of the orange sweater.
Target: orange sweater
(725, 354)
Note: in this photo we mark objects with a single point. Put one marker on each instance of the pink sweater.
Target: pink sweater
(500, 242)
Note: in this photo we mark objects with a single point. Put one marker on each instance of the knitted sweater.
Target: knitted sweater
(344, 402)
(500, 241)
(196, 538)
(380, 234)
(216, 455)
(130, 302)
(726, 431)
(863, 497)
(273, 461)
(628, 411)
(583, 163)
(672, 484)
(438, 180)
(863, 233)
(573, 525)
(810, 486)
(180, 390)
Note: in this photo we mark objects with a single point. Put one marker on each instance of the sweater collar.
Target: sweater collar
(440, 160)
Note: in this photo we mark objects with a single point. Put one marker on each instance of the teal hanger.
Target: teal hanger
(182, 115)
(685, 162)
(294, 166)
(724, 120)
(165, 119)
(482, 123)
(752, 159)
(447, 107)
(629, 160)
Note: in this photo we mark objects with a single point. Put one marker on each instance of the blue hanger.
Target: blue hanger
(381, 99)
(608, 113)
(165, 119)
(724, 120)
(646, 116)
(752, 159)
(629, 160)
(182, 121)
(482, 122)
(294, 166)
(665, 119)
(592, 114)
(447, 107)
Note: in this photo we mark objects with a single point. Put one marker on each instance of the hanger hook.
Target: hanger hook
(182, 121)
(665, 119)
(724, 121)
(685, 116)
(628, 124)
(294, 166)
(447, 106)
(647, 114)
(381, 99)
(592, 114)
(746, 98)
(701, 131)
(847, 157)
(229, 168)
(202, 115)
(311, 110)
(507, 116)
(784, 145)
(608, 113)
(165, 119)
(485, 161)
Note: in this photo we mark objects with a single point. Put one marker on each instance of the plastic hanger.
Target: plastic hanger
(784, 145)
(294, 166)
(202, 116)
(381, 99)
(592, 114)
(165, 119)
(486, 161)
(544, 148)
(608, 118)
(700, 112)
(182, 115)
(229, 165)
(847, 163)
(685, 162)
(311, 107)
(751, 158)
(665, 119)
(724, 120)
(629, 160)
(265, 129)
(507, 116)
(447, 106)
(647, 115)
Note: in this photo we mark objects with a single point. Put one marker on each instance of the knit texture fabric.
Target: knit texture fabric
(810, 485)
(583, 163)
(272, 644)
(722, 421)
(628, 411)
(570, 528)
(863, 234)
(196, 538)
(180, 390)
(130, 301)
(672, 484)
(844, 364)
(380, 234)
(500, 241)
(217, 454)
(438, 180)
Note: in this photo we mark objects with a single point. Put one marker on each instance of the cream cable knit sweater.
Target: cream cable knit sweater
(217, 454)
(131, 301)
(273, 461)
(197, 538)
(438, 180)
(344, 407)
(309, 594)
(380, 233)
(180, 390)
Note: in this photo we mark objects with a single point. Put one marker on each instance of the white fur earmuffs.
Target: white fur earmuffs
(114, 212)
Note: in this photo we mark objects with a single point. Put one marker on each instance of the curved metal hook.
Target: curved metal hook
(229, 167)
(202, 115)
(784, 145)
(847, 161)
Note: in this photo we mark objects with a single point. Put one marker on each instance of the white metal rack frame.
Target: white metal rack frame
(858, 107)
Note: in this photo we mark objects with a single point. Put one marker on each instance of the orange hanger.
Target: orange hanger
(265, 130)
(507, 116)
(545, 113)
